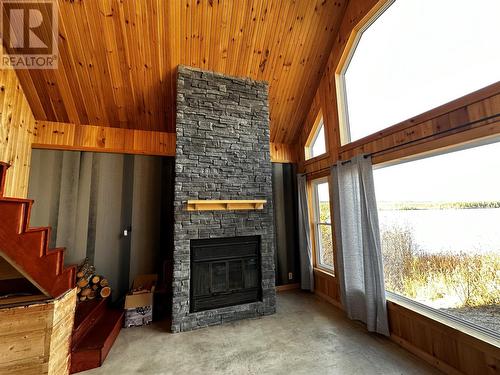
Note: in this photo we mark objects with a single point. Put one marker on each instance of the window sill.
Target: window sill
(324, 271)
(448, 320)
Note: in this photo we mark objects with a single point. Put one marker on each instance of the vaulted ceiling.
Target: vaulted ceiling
(118, 57)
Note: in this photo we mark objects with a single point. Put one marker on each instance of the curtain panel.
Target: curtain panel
(359, 255)
(305, 247)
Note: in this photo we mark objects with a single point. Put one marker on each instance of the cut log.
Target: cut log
(95, 287)
(82, 298)
(85, 292)
(95, 279)
(105, 292)
(82, 283)
(104, 282)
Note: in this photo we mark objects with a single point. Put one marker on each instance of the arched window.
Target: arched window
(414, 56)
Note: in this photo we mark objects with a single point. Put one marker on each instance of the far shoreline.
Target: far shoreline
(419, 206)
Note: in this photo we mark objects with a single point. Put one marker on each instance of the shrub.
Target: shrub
(472, 278)
(399, 251)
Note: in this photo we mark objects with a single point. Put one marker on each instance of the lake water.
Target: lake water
(469, 230)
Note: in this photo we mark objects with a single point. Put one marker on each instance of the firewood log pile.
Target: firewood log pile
(89, 284)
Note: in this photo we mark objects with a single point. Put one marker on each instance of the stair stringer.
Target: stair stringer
(27, 249)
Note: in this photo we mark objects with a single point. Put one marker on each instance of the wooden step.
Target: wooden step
(87, 315)
(26, 249)
(96, 344)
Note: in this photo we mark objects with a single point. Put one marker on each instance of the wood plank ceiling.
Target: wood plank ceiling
(118, 57)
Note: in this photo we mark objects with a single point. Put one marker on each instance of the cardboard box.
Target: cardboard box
(139, 301)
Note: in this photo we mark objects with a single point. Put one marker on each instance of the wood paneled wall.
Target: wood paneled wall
(17, 128)
(64, 136)
(447, 348)
(444, 347)
(325, 99)
(326, 286)
(282, 153)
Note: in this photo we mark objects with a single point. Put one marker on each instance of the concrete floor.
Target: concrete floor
(306, 336)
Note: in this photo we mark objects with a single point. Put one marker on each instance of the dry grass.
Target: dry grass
(471, 279)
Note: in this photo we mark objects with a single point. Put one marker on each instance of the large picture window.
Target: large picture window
(322, 224)
(415, 56)
(439, 221)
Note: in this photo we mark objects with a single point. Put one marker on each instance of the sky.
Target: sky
(462, 176)
(323, 192)
(418, 55)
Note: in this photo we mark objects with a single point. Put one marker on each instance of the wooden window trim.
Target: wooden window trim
(311, 138)
(464, 101)
(345, 58)
(463, 326)
(323, 177)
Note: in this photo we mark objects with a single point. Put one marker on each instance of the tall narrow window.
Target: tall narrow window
(316, 144)
(414, 57)
(439, 220)
(322, 224)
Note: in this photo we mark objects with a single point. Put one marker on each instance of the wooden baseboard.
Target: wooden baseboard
(282, 288)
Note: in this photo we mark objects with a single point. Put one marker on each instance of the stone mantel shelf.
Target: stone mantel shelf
(225, 205)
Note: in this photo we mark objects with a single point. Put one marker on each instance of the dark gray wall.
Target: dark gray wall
(146, 215)
(89, 198)
(285, 218)
(222, 153)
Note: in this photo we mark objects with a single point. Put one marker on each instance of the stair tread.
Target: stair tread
(97, 336)
(87, 315)
(84, 310)
(27, 248)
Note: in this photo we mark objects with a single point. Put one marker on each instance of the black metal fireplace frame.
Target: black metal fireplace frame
(232, 297)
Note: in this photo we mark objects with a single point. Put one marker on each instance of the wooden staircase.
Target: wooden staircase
(27, 249)
(95, 330)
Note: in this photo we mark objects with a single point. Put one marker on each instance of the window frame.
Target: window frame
(345, 59)
(319, 123)
(449, 320)
(315, 226)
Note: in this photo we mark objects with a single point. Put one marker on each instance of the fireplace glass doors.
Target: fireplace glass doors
(224, 272)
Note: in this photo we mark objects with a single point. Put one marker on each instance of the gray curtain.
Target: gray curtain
(305, 248)
(60, 187)
(359, 256)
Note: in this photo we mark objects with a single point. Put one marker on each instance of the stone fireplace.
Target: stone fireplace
(223, 260)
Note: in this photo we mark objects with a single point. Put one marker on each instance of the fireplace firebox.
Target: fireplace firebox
(225, 272)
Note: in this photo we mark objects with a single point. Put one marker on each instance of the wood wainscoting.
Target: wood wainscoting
(449, 349)
(38, 336)
(326, 286)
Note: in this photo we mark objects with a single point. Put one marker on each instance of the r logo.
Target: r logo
(29, 33)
